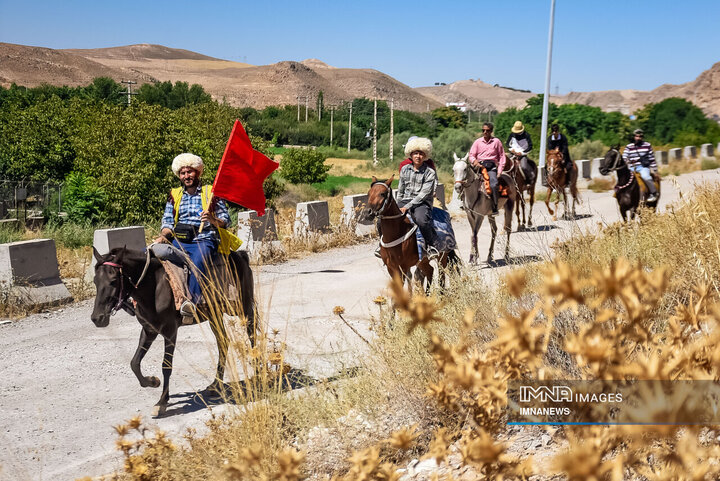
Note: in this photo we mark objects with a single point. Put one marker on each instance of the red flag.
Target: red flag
(242, 171)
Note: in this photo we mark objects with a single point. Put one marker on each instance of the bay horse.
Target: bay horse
(478, 205)
(525, 177)
(398, 243)
(557, 181)
(125, 273)
(627, 190)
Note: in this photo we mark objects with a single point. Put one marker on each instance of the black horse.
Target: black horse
(125, 273)
(627, 190)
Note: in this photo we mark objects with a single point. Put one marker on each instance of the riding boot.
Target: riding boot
(494, 202)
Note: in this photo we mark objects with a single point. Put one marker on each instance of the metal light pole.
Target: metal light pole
(546, 97)
(350, 126)
(392, 128)
(375, 133)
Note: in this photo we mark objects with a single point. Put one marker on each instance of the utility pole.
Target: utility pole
(306, 108)
(298, 100)
(392, 128)
(129, 92)
(332, 111)
(350, 126)
(548, 67)
(375, 133)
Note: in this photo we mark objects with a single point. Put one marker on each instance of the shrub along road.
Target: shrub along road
(65, 382)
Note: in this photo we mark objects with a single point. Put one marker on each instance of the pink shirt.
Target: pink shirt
(493, 150)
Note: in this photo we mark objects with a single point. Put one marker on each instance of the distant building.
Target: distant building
(462, 106)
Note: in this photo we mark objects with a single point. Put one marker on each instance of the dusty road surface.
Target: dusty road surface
(65, 383)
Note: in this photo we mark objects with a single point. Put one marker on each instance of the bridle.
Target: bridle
(616, 166)
(470, 171)
(379, 214)
(122, 296)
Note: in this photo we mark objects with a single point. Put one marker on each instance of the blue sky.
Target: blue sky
(599, 45)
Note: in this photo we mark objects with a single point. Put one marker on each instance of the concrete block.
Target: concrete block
(440, 195)
(311, 217)
(675, 154)
(661, 157)
(253, 230)
(29, 272)
(454, 207)
(707, 151)
(353, 214)
(584, 168)
(690, 152)
(104, 240)
(595, 167)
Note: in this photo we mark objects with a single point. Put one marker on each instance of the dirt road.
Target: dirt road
(65, 383)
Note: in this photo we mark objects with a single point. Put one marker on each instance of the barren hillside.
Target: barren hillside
(33, 66)
(478, 95)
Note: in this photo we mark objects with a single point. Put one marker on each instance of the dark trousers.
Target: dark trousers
(201, 252)
(492, 174)
(422, 215)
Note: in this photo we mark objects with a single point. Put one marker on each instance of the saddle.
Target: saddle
(502, 188)
(643, 186)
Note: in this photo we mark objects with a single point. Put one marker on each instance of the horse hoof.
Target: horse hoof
(216, 388)
(159, 410)
(151, 381)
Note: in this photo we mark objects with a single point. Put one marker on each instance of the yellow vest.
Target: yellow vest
(228, 240)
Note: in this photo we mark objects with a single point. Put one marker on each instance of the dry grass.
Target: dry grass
(601, 184)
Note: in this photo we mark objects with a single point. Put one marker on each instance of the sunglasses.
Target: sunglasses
(486, 130)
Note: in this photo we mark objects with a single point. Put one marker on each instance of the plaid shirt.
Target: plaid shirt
(416, 186)
(632, 154)
(190, 210)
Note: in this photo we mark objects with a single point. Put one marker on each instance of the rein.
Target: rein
(382, 209)
(122, 298)
(616, 166)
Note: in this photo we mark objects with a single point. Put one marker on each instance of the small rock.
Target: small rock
(545, 439)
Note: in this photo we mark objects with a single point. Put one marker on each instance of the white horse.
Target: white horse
(478, 204)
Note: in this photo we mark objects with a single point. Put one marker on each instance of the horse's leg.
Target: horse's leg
(508, 229)
(146, 339)
(521, 222)
(167, 367)
(221, 338)
(547, 202)
(493, 233)
(475, 222)
(532, 201)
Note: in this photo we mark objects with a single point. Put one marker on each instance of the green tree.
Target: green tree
(449, 117)
(303, 166)
(672, 118)
(107, 90)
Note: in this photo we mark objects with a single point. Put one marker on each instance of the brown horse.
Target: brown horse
(398, 244)
(525, 177)
(628, 192)
(557, 181)
(478, 205)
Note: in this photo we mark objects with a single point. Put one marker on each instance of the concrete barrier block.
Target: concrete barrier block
(440, 195)
(454, 207)
(253, 229)
(105, 240)
(30, 273)
(595, 167)
(584, 167)
(690, 152)
(661, 157)
(353, 213)
(311, 217)
(675, 154)
(707, 151)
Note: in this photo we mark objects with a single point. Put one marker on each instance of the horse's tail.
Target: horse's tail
(573, 184)
(241, 262)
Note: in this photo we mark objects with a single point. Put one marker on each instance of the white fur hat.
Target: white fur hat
(187, 160)
(418, 143)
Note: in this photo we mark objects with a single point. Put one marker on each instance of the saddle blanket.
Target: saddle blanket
(445, 234)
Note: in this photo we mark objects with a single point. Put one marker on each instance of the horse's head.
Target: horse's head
(461, 172)
(554, 161)
(109, 284)
(612, 160)
(379, 196)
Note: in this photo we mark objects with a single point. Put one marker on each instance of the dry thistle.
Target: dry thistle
(516, 280)
(289, 462)
(338, 310)
(439, 446)
(404, 438)
(380, 300)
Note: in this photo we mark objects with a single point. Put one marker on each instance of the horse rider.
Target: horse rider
(416, 191)
(188, 208)
(556, 140)
(488, 152)
(429, 162)
(639, 157)
(519, 143)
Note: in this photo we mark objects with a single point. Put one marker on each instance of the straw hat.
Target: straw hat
(518, 128)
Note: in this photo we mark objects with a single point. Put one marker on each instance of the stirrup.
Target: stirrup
(432, 253)
(377, 253)
(188, 311)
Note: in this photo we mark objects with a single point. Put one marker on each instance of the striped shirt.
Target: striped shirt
(416, 186)
(189, 213)
(633, 152)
